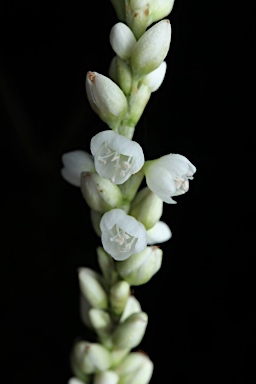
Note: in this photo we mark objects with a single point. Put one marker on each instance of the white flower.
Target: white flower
(169, 176)
(159, 233)
(74, 380)
(122, 235)
(116, 157)
(75, 163)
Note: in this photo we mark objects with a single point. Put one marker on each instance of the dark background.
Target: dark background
(201, 304)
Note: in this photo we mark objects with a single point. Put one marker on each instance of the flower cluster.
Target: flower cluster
(125, 215)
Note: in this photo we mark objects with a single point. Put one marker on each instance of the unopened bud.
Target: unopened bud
(74, 380)
(107, 266)
(147, 208)
(100, 320)
(151, 49)
(91, 285)
(107, 377)
(91, 357)
(159, 9)
(100, 194)
(154, 79)
(136, 368)
(119, 6)
(139, 268)
(119, 294)
(137, 16)
(130, 333)
(106, 99)
(122, 40)
(132, 306)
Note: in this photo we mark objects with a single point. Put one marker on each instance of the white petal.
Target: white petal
(159, 233)
(122, 40)
(75, 163)
(160, 181)
(177, 164)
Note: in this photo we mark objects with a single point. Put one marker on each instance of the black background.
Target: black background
(201, 304)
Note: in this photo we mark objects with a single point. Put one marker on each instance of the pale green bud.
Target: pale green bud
(100, 320)
(137, 15)
(122, 40)
(137, 103)
(107, 377)
(124, 74)
(159, 9)
(151, 49)
(147, 208)
(99, 193)
(119, 6)
(136, 368)
(85, 307)
(140, 267)
(117, 355)
(91, 285)
(107, 266)
(119, 294)
(106, 99)
(95, 220)
(131, 186)
(130, 333)
(91, 357)
(120, 71)
(132, 306)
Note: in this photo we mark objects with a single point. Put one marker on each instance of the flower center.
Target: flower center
(116, 164)
(182, 183)
(123, 239)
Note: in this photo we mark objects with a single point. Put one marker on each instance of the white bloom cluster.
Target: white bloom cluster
(125, 216)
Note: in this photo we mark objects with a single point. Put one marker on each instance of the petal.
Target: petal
(75, 163)
(159, 233)
(155, 78)
(160, 181)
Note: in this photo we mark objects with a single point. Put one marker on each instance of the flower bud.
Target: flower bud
(74, 380)
(100, 320)
(85, 307)
(120, 71)
(151, 49)
(119, 6)
(132, 306)
(131, 186)
(75, 163)
(91, 285)
(100, 194)
(159, 233)
(107, 266)
(129, 334)
(147, 208)
(159, 9)
(106, 99)
(95, 220)
(107, 377)
(122, 40)
(137, 16)
(91, 357)
(136, 368)
(154, 79)
(139, 268)
(119, 294)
